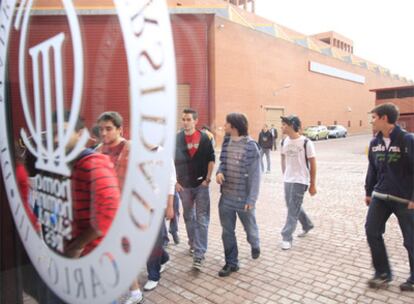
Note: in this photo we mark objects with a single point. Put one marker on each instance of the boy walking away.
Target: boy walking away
(299, 174)
(239, 177)
(266, 144)
(389, 190)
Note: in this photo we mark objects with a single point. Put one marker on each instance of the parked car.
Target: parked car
(316, 132)
(336, 131)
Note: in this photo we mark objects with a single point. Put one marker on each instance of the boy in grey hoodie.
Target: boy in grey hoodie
(239, 176)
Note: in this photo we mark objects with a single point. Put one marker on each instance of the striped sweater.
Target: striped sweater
(96, 196)
(240, 165)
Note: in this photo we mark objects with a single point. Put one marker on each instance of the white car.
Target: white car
(337, 131)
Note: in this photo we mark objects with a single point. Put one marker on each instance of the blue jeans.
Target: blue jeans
(265, 151)
(378, 213)
(228, 211)
(294, 194)
(196, 207)
(158, 256)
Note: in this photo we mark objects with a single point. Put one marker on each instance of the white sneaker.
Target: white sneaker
(135, 299)
(163, 266)
(150, 285)
(286, 245)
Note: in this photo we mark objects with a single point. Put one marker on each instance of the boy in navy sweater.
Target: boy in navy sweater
(389, 189)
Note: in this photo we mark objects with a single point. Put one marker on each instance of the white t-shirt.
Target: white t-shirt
(387, 141)
(296, 170)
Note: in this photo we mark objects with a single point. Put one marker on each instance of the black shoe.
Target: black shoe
(379, 281)
(255, 253)
(227, 269)
(176, 238)
(407, 286)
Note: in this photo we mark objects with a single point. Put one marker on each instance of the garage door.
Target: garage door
(272, 117)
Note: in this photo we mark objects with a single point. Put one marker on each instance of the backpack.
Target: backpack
(304, 147)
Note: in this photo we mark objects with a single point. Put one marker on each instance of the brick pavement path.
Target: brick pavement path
(330, 265)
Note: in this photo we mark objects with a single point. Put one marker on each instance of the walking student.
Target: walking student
(389, 190)
(194, 163)
(266, 144)
(159, 257)
(299, 175)
(117, 148)
(273, 130)
(239, 178)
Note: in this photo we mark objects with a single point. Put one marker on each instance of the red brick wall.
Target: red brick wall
(106, 83)
(191, 50)
(406, 106)
(250, 66)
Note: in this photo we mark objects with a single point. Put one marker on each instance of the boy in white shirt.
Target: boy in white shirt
(299, 174)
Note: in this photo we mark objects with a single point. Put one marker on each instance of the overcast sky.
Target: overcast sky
(382, 30)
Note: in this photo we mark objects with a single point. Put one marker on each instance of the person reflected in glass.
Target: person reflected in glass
(95, 195)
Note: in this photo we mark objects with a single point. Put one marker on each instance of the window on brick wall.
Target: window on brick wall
(335, 122)
(349, 123)
(319, 122)
(360, 123)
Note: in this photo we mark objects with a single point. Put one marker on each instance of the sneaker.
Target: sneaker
(191, 251)
(163, 266)
(255, 253)
(227, 270)
(176, 238)
(139, 299)
(379, 281)
(407, 286)
(197, 263)
(304, 233)
(150, 285)
(286, 245)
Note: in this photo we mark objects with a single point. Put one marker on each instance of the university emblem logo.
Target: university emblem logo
(49, 158)
(37, 72)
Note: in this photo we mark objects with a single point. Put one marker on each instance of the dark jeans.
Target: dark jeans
(174, 221)
(173, 228)
(158, 256)
(378, 213)
(275, 144)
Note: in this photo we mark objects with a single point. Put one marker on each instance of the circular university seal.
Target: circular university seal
(41, 72)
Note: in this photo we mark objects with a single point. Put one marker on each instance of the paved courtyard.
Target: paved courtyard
(330, 265)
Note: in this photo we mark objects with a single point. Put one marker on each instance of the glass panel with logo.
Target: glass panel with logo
(88, 118)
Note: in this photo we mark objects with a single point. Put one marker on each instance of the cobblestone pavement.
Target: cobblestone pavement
(330, 265)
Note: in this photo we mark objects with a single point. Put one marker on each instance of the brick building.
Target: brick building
(403, 97)
(228, 59)
(265, 70)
